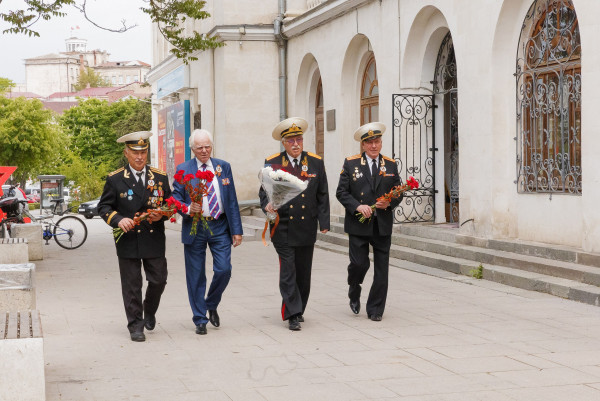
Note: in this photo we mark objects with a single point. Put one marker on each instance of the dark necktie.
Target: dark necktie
(374, 169)
(295, 164)
(139, 177)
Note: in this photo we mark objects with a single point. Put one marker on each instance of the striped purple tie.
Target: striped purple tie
(213, 204)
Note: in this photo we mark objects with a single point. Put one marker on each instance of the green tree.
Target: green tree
(29, 137)
(139, 119)
(5, 85)
(94, 126)
(169, 16)
(88, 177)
(91, 78)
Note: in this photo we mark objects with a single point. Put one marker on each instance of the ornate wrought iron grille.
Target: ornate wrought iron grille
(548, 77)
(413, 149)
(446, 84)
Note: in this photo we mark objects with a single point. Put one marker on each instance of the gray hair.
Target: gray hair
(200, 132)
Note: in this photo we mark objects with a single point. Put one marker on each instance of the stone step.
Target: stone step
(544, 264)
(253, 227)
(450, 233)
(451, 257)
(433, 264)
(547, 251)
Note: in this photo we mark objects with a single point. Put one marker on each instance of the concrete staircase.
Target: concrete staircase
(565, 272)
(253, 223)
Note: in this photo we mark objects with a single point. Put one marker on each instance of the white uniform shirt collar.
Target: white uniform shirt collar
(134, 172)
(370, 161)
(291, 159)
(209, 165)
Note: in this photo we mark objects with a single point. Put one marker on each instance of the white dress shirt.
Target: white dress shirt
(215, 183)
(292, 159)
(135, 172)
(370, 163)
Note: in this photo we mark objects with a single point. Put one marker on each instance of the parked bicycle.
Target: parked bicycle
(69, 232)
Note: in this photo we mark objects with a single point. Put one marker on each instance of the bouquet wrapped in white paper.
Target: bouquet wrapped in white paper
(280, 187)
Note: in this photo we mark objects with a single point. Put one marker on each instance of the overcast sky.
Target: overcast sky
(132, 45)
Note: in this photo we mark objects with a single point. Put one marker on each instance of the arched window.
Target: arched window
(369, 95)
(549, 100)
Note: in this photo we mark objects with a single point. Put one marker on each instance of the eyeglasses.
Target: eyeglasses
(297, 140)
(202, 147)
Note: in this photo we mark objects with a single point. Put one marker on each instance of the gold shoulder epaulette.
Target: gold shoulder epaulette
(116, 171)
(389, 159)
(314, 155)
(155, 170)
(354, 157)
(273, 156)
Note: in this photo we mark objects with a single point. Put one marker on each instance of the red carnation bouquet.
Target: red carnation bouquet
(196, 193)
(168, 209)
(395, 193)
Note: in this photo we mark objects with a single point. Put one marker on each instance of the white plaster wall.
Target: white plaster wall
(45, 79)
(587, 13)
(404, 36)
(246, 109)
(341, 60)
(485, 37)
(231, 12)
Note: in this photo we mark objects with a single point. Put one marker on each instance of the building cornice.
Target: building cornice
(244, 32)
(320, 15)
(163, 68)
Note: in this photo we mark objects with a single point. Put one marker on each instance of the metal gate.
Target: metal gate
(445, 84)
(413, 147)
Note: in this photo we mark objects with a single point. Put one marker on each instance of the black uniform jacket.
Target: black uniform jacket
(298, 218)
(355, 189)
(124, 197)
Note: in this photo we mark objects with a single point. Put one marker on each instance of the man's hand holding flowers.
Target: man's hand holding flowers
(196, 194)
(126, 224)
(365, 212)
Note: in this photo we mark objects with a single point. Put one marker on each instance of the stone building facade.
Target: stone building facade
(490, 104)
(59, 72)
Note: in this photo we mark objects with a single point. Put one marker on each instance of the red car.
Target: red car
(33, 198)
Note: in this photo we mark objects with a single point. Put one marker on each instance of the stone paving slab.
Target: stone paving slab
(441, 338)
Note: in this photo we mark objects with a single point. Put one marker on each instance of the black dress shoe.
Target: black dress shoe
(294, 324)
(213, 316)
(301, 318)
(201, 329)
(150, 322)
(355, 306)
(138, 336)
(375, 318)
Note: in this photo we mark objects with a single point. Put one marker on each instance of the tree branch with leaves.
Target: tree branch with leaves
(168, 15)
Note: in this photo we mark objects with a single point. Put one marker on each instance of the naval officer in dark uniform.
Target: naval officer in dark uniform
(133, 189)
(364, 178)
(299, 219)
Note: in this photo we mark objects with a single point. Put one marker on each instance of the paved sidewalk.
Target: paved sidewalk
(442, 338)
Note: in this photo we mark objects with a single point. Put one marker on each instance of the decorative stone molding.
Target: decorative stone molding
(319, 14)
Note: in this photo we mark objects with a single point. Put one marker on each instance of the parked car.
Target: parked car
(33, 198)
(89, 209)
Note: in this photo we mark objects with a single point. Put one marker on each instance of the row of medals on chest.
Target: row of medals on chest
(156, 195)
(358, 174)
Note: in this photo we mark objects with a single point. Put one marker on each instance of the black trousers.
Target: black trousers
(131, 287)
(359, 265)
(295, 267)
